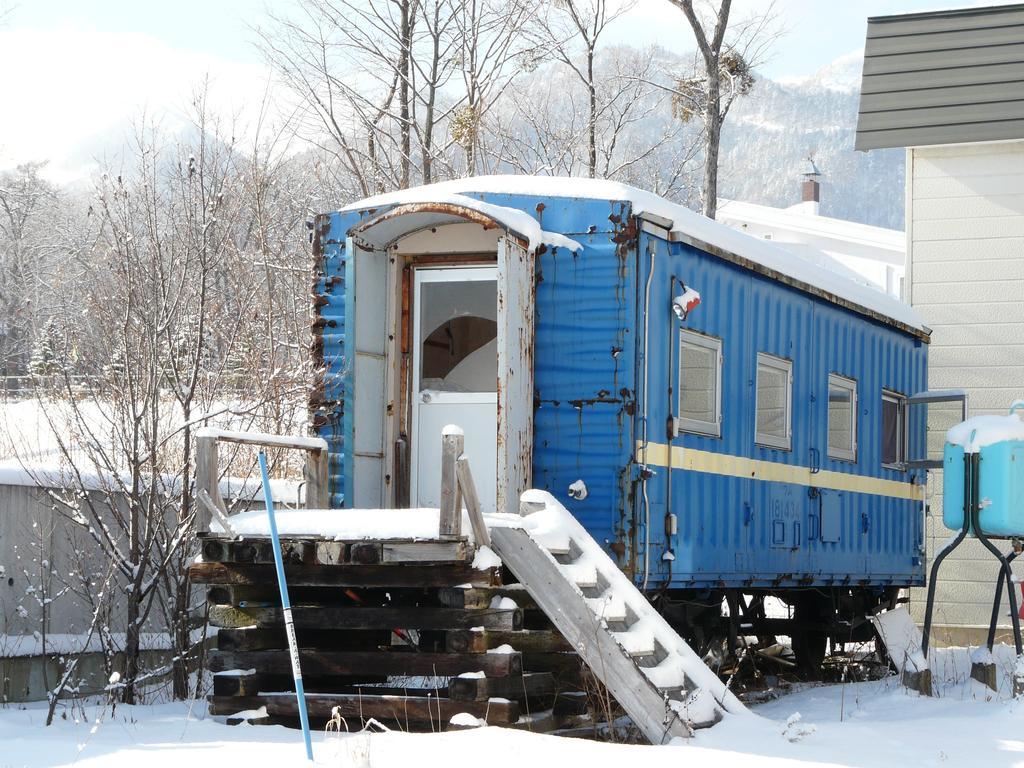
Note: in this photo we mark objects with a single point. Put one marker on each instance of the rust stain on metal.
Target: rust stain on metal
(321, 226)
(449, 209)
(588, 401)
(317, 396)
(626, 232)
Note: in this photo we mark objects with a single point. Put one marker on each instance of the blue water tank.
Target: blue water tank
(1001, 493)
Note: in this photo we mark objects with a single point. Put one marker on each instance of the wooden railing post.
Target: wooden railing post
(207, 479)
(450, 526)
(316, 469)
(476, 515)
(208, 472)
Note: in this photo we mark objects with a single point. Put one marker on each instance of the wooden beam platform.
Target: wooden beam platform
(486, 638)
(315, 550)
(530, 684)
(394, 662)
(359, 617)
(413, 576)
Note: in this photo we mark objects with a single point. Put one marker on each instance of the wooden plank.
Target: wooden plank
(359, 617)
(476, 515)
(268, 595)
(526, 641)
(250, 639)
(360, 707)
(238, 683)
(450, 523)
(257, 682)
(426, 552)
(317, 476)
(415, 576)
(482, 597)
(331, 552)
(538, 571)
(527, 685)
(210, 508)
(553, 662)
(395, 662)
(295, 442)
(569, 703)
(207, 479)
(217, 549)
(228, 549)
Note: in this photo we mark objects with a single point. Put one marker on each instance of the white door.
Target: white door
(455, 376)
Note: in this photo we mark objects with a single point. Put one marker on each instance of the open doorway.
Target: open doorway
(454, 375)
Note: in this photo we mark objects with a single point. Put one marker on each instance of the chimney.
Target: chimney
(810, 188)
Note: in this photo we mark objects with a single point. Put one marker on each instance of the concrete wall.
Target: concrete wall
(40, 552)
(965, 237)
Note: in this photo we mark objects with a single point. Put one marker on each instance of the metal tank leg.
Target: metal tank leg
(985, 672)
(921, 680)
(950, 546)
(1010, 557)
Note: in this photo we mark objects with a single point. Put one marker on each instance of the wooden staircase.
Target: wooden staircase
(662, 684)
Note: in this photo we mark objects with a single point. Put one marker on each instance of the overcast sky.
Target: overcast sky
(75, 72)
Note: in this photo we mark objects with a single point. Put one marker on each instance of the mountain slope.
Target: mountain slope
(769, 133)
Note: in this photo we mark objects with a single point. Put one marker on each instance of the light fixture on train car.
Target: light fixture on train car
(685, 302)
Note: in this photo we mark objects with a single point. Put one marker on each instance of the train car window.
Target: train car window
(842, 418)
(894, 430)
(700, 384)
(774, 402)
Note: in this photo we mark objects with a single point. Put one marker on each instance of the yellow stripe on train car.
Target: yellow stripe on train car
(657, 455)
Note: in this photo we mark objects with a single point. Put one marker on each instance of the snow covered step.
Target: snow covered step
(583, 575)
(555, 542)
(609, 607)
(635, 642)
(668, 674)
(657, 678)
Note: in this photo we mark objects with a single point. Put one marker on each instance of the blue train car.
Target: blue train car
(728, 418)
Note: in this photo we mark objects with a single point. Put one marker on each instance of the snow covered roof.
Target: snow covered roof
(435, 207)
(686, 225)
(889, 244)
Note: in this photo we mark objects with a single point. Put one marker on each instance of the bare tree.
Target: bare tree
(572, 30)
(394, 87)
(351, 65)
(490, 33)
(181, 308)
(26, 203)
(726, 72)
(541, 125)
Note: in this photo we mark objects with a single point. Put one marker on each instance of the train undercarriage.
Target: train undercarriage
(789, 632)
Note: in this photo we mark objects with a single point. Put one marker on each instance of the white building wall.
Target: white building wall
(965, 237)
(869, 254)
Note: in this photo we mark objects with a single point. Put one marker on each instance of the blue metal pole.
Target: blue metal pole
(286, 608)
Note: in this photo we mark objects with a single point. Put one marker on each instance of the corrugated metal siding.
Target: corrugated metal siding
(591, 312)
(584, 386)
(332, 294)
(943, 78)
(725, 535)
(966, 227)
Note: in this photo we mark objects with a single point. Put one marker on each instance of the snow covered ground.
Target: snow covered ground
(873, 724)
